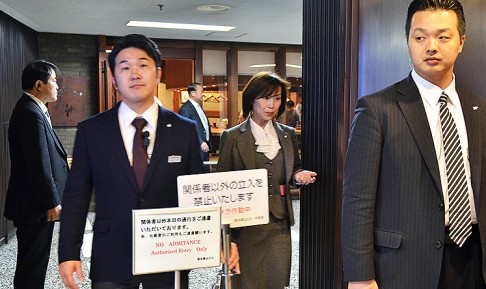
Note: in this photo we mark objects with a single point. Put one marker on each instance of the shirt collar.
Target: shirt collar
(42, 106)
(196, 105)
(431, 92)
(127, 115)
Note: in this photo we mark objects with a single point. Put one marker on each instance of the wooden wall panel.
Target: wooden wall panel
(323, 88)
(179, 73)
(18, 46)
(383, 53)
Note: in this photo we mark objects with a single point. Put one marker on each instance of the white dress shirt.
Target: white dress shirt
(202, 116)
(42, 106)
(125, 117)
(430, 94)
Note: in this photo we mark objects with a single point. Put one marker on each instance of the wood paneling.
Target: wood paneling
(18, 46)
(383, 52)
(323, 81)
(179, 73)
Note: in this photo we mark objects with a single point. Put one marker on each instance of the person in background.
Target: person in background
(107, 159)
(413, 212)
(192, 109)
(38, 173)
(260, 142)
(298, 106)
(292, 117)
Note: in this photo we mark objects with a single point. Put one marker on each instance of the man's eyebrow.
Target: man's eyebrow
(426, 30)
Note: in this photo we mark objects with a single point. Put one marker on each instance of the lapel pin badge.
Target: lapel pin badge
(169, 125)
(475, 108)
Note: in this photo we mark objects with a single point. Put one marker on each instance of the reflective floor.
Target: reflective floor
(198, 279)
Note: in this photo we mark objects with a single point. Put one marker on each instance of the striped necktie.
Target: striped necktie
(459, 207)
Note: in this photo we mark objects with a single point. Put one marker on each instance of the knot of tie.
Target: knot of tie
(443, 98)
(139, 123)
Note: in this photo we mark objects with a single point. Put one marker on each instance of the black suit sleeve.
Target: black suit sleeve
(32, 137)
(361, 173)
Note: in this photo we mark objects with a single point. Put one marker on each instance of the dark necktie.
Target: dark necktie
(459, 207)
(139, 153)
(48, 117)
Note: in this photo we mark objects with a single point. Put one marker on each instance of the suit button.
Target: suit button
(438, 244)
(441, 207)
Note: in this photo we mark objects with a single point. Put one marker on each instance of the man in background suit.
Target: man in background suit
(38, 172)
(396, 217)
(103, 160)
(192, 109)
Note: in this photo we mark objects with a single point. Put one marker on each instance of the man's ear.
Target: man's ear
(38, 85)
(113, 80)
(159, 74)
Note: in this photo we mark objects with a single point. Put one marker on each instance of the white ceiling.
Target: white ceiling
(263, 21)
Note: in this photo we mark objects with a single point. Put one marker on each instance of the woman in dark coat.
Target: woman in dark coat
(260, 142)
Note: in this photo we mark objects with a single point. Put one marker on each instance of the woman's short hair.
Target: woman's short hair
(263, 84)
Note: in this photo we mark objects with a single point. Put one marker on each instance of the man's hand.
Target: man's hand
(66, 270)
(54, 214)
(234, 259)
(370, 284)
(204, 147)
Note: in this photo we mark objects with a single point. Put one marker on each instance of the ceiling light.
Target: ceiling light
(179, 26)
(293, 65)
(213, 8)
(273, 65)
(262, 65)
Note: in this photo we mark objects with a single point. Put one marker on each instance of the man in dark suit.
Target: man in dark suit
(38, 172)
(192, 109)
(103, 160)
(400, 212)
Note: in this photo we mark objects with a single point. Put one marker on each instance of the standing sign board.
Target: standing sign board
(176, 239)
(242, 195)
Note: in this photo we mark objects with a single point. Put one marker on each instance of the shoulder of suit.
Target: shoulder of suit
(284, 127)
(174, 118)
(389, 93)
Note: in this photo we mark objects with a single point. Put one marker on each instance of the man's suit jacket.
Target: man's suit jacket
(393, 206)
(38, 165)
(237, 152)
(100, 162)
(188, 110)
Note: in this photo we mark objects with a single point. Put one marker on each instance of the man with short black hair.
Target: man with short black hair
(39, 170)
(414, 176)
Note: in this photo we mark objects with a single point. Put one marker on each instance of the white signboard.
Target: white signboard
(176, 239)
(242, 195)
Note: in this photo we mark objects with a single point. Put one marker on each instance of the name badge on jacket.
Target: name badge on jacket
(174, 159)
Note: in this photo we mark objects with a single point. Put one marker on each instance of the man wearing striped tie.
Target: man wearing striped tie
(415, 172)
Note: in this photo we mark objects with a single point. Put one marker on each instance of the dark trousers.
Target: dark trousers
(34, 248)
(148, 282)
(462, 266)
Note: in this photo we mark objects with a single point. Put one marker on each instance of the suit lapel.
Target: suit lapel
(411, 105)
(196, 114)
(59, 146)
(246, 145)
(287, 148)
(471, 109)
(50, 129)
(165, 130)
(113, 135)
